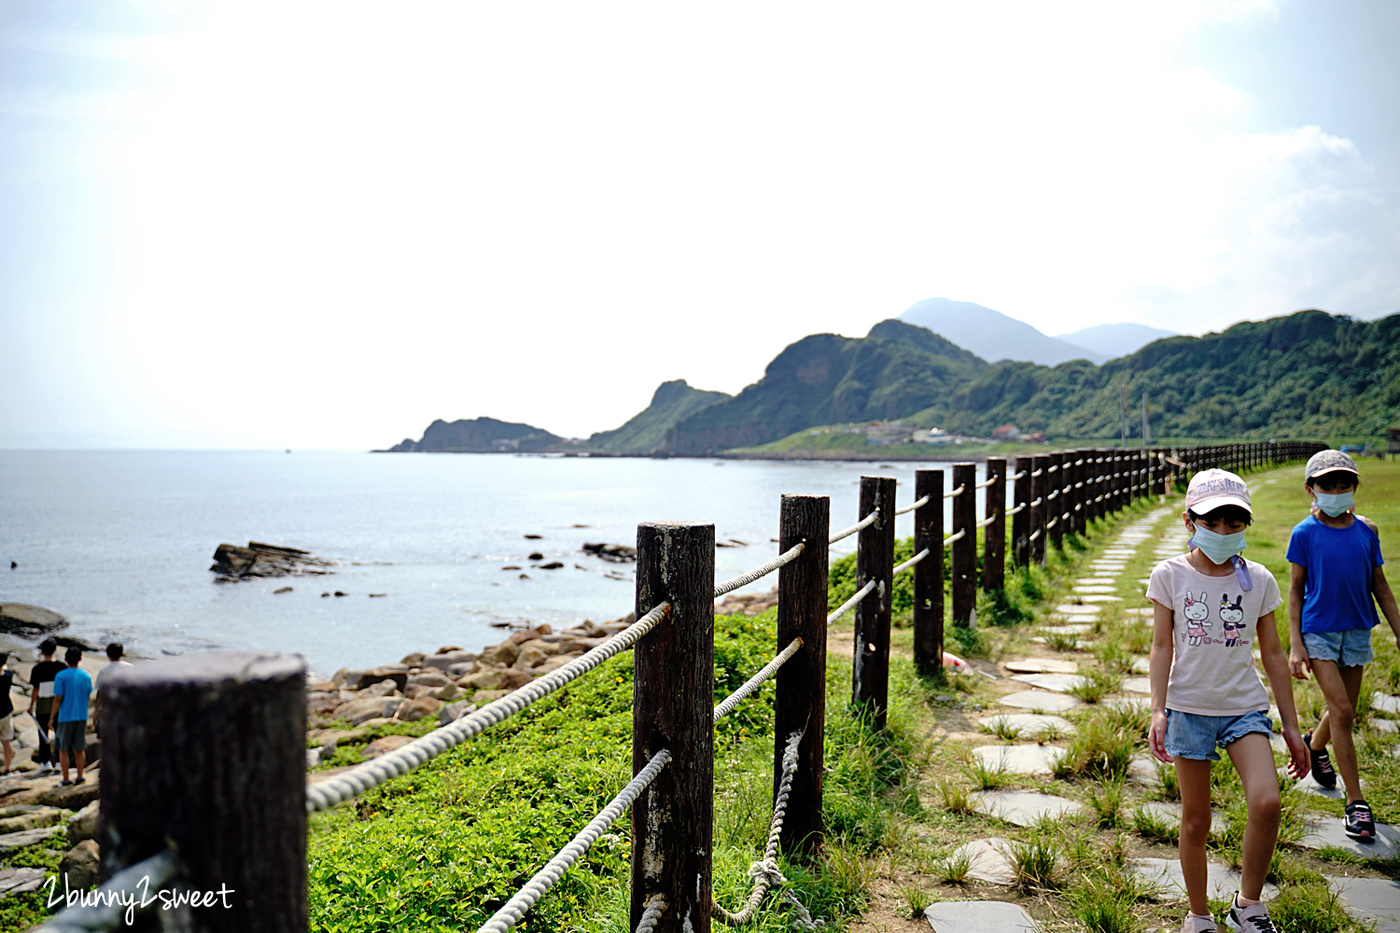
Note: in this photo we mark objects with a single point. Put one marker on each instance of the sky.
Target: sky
(325, 224)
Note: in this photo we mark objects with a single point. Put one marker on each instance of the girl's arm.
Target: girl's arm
(1159, 671)
(1298, 661)
(1276, 669)
(1380, 588)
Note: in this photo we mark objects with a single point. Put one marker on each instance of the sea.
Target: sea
(120, 541)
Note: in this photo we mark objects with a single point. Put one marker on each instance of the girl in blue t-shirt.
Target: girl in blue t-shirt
(1336, 563)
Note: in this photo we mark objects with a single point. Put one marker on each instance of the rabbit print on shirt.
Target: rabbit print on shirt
(1197, 614)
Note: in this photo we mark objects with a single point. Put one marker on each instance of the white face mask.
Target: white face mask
(1335, 504)
(1219, 548)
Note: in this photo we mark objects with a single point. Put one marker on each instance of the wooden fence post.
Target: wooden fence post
(800, 702)
(1021, 521)
(994, 535)
(928, 574)
(206, 753)
(1079, 520)
(673, 698)
(1055, 499)
(1040, 511)
(870, 677)
(964, 570)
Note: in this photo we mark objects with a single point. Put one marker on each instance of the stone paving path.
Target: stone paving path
(991, 860)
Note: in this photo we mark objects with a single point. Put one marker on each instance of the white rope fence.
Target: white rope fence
(509, 915)
(917, 504)
(956, 492)
(911, 562)
(335, 790)
(651, 914)
(962, 533)
(753, 683)
(758, 573)
(765, 873)
(1011, 512)
(989, 481)
(115, 902)
(985, 522)
(858, 526)
(851, 603)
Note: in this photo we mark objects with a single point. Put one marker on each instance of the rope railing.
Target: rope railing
(851, 603)
(955, 493)
(116, 901)
(911, 562)
(753, 683)
(1021, 474)
(1034, 534)
(1013, 511)
(989, 481)
(1037, 501)
(1035, 473)
(962, 533)
(656, 906)
(985, 522)
(744, 579)
(342, 787)
(509, 915)
(858, 526)
(917, 504)
(765, 873)
(1053, 521)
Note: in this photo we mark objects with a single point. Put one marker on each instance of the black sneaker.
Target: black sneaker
(1359, 824)
(1322, 771)
(1252, 919)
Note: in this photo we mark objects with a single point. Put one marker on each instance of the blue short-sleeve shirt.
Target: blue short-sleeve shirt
(1340, 563)
(75, 686)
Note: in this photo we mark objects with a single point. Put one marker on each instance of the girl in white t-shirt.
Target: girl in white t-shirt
(1211, 609)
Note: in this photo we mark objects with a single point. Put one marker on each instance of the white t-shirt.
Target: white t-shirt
(1213, 632)
(107, 670)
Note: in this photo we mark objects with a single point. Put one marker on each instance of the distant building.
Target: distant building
(932, 436)
(1036, 437)
(1393, 445)
(1006, 432)
(886, 432)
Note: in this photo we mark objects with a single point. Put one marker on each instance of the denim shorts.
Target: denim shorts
(1191, 735)
(1350, 648)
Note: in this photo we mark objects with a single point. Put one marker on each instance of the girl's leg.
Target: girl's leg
(1341, 686)
(1253, 758)
(1193, 777)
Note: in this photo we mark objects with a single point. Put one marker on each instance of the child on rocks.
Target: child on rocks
(68, 718)
(1336, 571)
(1206, 692)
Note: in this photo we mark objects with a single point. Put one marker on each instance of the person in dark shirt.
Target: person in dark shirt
(7, 707)
(41, 701)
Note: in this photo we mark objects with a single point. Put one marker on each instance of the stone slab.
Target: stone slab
(1135, 702)
(21, 880)
(1328, 832)
(1078, 618)
(1171, 812)
(1385, 703)
(1096, 581)
(1101, 598)
(1385, 726)
(1138, 685)
(28, 837)
(1020, 759)
(1022, 807)
(1145, 611)
(1030, 724)
(989, 860)
(1070, 609)
(1074, 628)
(1094, 590)
(1375, 899)
(1041, 666)
(1058, 683)
(1221, 881)
(1039, 699)
(1142, 769)
(979, 917)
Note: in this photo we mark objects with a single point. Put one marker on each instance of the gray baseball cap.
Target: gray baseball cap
(1328, 461)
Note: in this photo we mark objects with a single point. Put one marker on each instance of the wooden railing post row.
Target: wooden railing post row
(928, 574)
(1075, 504)
(1021, 521)
(1055, 499)
(206, 754)
(673, 694)
(994, 535)
(870, 677)
(1040, 488)
(1098, 506)
(800, 701)
(964, 569)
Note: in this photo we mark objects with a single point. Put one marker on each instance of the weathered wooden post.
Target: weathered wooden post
(800, 702)
(928, 573)
(1039, 509)
(994, 535)
(1055, 500)
(205, 754)
(1079, 475)
(964, 569)
(870, 678)
(673, 690)
(1021, 521)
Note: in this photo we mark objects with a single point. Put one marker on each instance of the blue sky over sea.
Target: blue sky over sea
(324, 224)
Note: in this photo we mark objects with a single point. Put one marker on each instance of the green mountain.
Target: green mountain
(1309, 374)
(646, 431)
(825, 379)
(478, 435)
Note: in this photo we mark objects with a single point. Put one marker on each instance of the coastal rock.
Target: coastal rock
(398, 673)
(21, 880)
(233, 563)
(447, 692)
(27, 838)
(550, 664)
(416, 658)
(615, 553)
(482, 697)
(17, 819)
(75, 796)
(385, 743)
(320, 703)
(29, 621)
(552, 565)
(83, 824)
(359, 710)
(454, 711)
(446, 660)
(530, 634)
(504, 653)
(80, 866)
(550, 648)
(336, 736)
(414, 710)
(382, 689)
(429, 679)
(528, 658)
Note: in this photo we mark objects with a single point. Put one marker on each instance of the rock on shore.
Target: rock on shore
(233, 563)
(29, 621)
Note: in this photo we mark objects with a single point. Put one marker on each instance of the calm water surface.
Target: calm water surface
(120, 542)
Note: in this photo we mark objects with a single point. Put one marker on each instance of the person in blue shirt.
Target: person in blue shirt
(1337, 580)
(69, 715)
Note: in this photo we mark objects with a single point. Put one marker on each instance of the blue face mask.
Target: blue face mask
(1335, 504)
(1219, 548)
